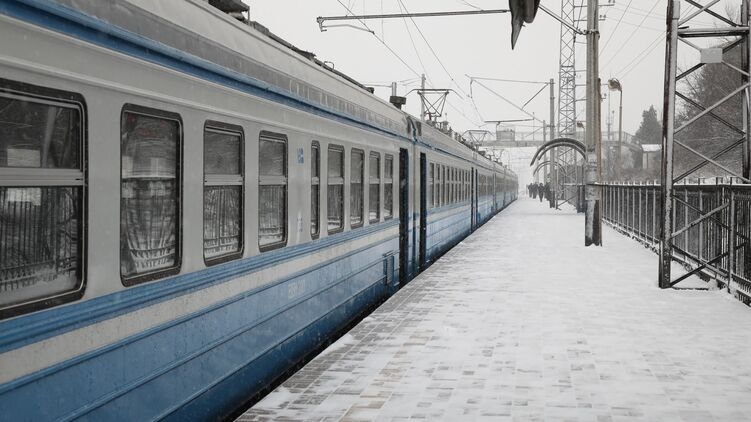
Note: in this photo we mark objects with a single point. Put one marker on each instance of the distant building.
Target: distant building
(651, 157)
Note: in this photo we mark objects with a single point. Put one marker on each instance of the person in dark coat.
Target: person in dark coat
(541, 190)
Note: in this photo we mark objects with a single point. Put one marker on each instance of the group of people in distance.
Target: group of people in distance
(538, 190)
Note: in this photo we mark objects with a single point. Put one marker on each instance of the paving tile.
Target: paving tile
(521, 322)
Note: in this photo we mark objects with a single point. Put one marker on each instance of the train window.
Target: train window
(222, 191)
(335, 189)
(374, 188)
(356, 188)
(149, 193)
(42, 189)
(449, 185)
(315, 189)
(454, 185)
(464, 185)
(388, 187)
(431, 185)
(444, 187)
(272, 191)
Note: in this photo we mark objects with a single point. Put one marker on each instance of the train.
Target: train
(190, 205)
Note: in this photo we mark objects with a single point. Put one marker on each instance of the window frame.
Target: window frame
(431, 185)
(19, 177)
(175, 269)
(226, 180)
(388, 178)
(352, 152)
(270, 180)
(374, 181)
(340, 181)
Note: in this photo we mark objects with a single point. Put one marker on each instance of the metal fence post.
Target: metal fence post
(732, 243)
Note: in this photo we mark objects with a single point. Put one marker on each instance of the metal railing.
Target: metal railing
(711, 226)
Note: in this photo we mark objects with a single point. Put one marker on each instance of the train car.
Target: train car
(190, 206)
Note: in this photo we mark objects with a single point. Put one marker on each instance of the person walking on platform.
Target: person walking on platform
(532, 190)
(540, 191)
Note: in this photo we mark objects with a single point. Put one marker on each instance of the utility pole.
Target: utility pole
(620, 136)
(593, 219)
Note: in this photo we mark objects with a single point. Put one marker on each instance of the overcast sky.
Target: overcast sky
(447, 49)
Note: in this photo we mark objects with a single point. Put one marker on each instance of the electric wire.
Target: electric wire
(381, 41)
(431, 48)
(414, 46)
(616, 51)
(640, 57)
(615, 29)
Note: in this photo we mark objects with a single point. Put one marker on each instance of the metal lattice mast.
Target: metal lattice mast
(567, 178)
(713, 43)
(567, 75)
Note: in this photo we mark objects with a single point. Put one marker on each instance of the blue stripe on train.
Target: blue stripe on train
(156, 373)
(35, 327)
(445, 232)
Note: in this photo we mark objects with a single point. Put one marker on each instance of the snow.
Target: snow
(522, 322)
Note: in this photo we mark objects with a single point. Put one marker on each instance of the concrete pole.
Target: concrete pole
(592, 224)
(620, 136)
(552, 108)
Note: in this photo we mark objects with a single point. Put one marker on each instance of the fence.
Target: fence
(712, 226)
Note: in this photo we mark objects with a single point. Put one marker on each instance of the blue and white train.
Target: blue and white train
(189, 206)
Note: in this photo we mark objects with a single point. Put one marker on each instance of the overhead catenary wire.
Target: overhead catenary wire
(615, 29)
(642, 55)
(431, 48)
(414, 46)
(617, 50)
(404, 62)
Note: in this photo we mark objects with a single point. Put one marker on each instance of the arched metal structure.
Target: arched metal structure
(572, 145)
(542, 164)
(559, 142)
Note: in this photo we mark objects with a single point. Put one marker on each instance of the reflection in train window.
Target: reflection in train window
(356, 198)
(374, 188)
(315, 189)
(223, 191)
(431, 187)
(41, 222)
(272, 191)
(150, 193)
(388, 187)
(335, 186)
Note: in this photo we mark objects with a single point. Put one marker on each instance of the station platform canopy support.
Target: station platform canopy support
(713, 45)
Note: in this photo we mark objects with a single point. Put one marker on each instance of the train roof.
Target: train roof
(211, 32)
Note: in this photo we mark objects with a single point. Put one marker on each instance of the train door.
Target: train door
(403, 215)
(423, 210)
(473, 192)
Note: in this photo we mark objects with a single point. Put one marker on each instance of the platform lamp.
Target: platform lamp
(615, 85)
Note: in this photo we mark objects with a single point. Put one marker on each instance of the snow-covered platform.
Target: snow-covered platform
(521, 322)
